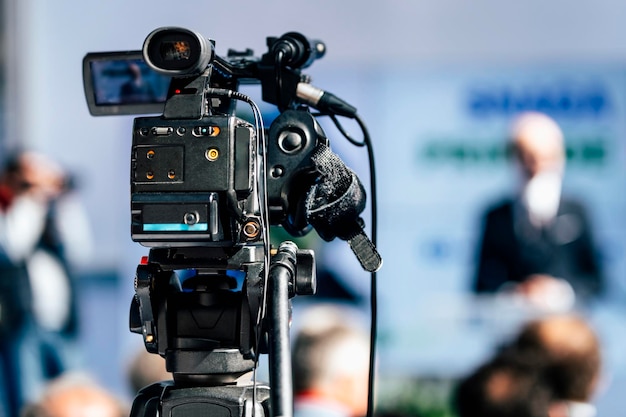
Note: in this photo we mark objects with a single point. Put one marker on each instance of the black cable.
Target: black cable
(261, 149)
(367, 141)
(278, 65)
(346, 134)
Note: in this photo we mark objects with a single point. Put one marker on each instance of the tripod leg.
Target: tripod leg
(282, 272)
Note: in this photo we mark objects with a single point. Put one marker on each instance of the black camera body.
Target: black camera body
(189, 179)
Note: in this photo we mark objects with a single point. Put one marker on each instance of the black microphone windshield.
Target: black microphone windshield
(333, 206)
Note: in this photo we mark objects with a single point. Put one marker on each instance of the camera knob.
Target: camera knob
(290, 142)
(306, 278)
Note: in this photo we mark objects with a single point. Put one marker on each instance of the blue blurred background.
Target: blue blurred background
(437, 82)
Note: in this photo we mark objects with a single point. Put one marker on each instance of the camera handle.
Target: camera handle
(286, 279)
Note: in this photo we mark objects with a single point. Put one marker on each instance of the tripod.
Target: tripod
(210, 313)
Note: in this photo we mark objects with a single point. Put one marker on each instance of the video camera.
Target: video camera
(206, 184)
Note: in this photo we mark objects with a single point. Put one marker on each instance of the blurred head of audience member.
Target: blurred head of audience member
(146, 369)
(330, 363)
(571, 352)
(550, 369)
(31, 173)
(509, 385)
(75, 395)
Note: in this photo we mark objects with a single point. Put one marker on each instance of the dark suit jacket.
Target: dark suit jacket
(512, 248)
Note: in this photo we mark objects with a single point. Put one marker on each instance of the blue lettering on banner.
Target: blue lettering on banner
(562, 100)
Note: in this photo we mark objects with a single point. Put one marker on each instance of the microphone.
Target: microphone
(333, 206)
(324, 101)
(296, 50)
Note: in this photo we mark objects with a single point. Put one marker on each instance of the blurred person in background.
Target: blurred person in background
(551, 368)
(538, 244)
(571, 353)
(136, 89)
(145, 369)
(508, 385)
(43, 234)
(75, 395)
(330, 364)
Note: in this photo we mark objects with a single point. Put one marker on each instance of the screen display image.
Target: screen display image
(127, 81)
(123, 84)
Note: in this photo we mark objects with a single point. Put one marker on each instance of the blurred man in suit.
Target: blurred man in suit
(539, 243)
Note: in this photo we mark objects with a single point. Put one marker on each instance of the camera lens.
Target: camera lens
(177, 51)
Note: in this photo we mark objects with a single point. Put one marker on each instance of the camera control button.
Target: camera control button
(162, 131)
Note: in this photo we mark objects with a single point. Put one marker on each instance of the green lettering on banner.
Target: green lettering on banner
(465, 152)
